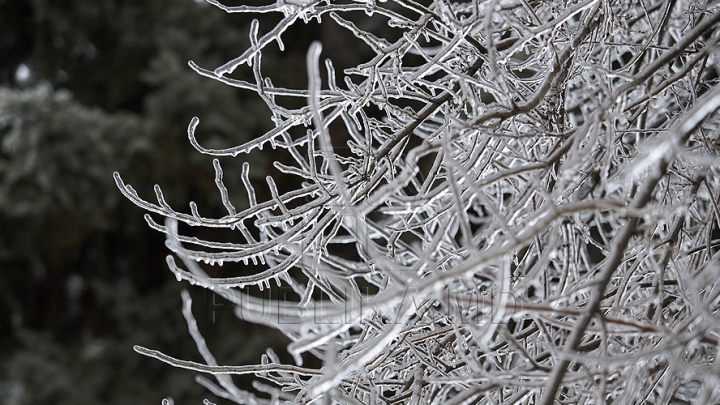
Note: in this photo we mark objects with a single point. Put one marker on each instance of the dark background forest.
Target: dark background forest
(88, 88)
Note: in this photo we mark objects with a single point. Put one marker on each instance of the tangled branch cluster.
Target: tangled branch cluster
(529, 193)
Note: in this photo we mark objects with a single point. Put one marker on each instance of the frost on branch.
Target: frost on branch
(529, 189)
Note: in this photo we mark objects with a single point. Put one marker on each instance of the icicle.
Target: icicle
(194, 210)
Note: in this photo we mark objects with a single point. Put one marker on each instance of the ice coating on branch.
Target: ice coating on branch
(503, 202)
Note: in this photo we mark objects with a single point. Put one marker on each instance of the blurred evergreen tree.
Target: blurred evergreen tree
(87, 88)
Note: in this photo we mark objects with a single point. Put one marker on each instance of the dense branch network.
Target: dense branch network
(525, 210)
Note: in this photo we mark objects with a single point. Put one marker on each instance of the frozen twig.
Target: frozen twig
(505, 202)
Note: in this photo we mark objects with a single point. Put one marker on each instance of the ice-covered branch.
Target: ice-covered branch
(504, 202)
